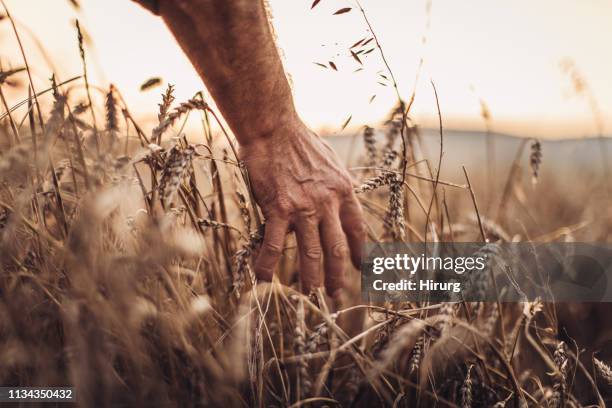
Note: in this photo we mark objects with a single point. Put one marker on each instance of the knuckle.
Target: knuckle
(342, 183)
(353, 224)
(313, 252)
(272, 249)
(265, 197)
(318, 193)
(308, 213)
(324, 195)
(339, 250)
(359, 229)
(284, 207)
(345, 188)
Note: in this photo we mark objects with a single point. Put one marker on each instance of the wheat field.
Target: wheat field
(126, 272)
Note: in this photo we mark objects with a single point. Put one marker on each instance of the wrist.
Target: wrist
(276, 130)
(288, 141)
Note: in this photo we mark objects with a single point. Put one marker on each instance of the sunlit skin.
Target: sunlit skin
(298, 181)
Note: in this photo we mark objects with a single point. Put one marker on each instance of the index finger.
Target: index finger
(272, 248)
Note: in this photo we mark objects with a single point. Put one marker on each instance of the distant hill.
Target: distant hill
(563, 158)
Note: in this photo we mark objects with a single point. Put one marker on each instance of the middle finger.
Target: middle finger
(309, 247)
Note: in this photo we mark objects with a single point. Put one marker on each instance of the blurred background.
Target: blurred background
(540, 68)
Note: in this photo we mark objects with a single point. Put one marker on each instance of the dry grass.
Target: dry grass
(126, 274)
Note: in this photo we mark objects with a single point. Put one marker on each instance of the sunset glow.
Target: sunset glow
(506, 53)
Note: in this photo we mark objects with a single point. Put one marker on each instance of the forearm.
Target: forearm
(230, 44)
(297, 180)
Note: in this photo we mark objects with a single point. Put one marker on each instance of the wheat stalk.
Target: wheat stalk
(164, 106)
(112, 123)
(389, 158)
(81, 44)
(56, 118)
(369, 140)
(384, 179)
(535, 160)
(605, 372)
(317, 337)
(560, 384)
(242, 269)
(466, 389)
(244, 210)
(394, 219)
(299, 347)
(175, 169)
(80, 108)
(394, 129)
(207, 223)
(171, 118)
(417, 355)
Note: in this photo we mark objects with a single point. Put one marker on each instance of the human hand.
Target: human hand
(300, 185)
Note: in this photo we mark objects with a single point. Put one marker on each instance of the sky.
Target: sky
(506, 53)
